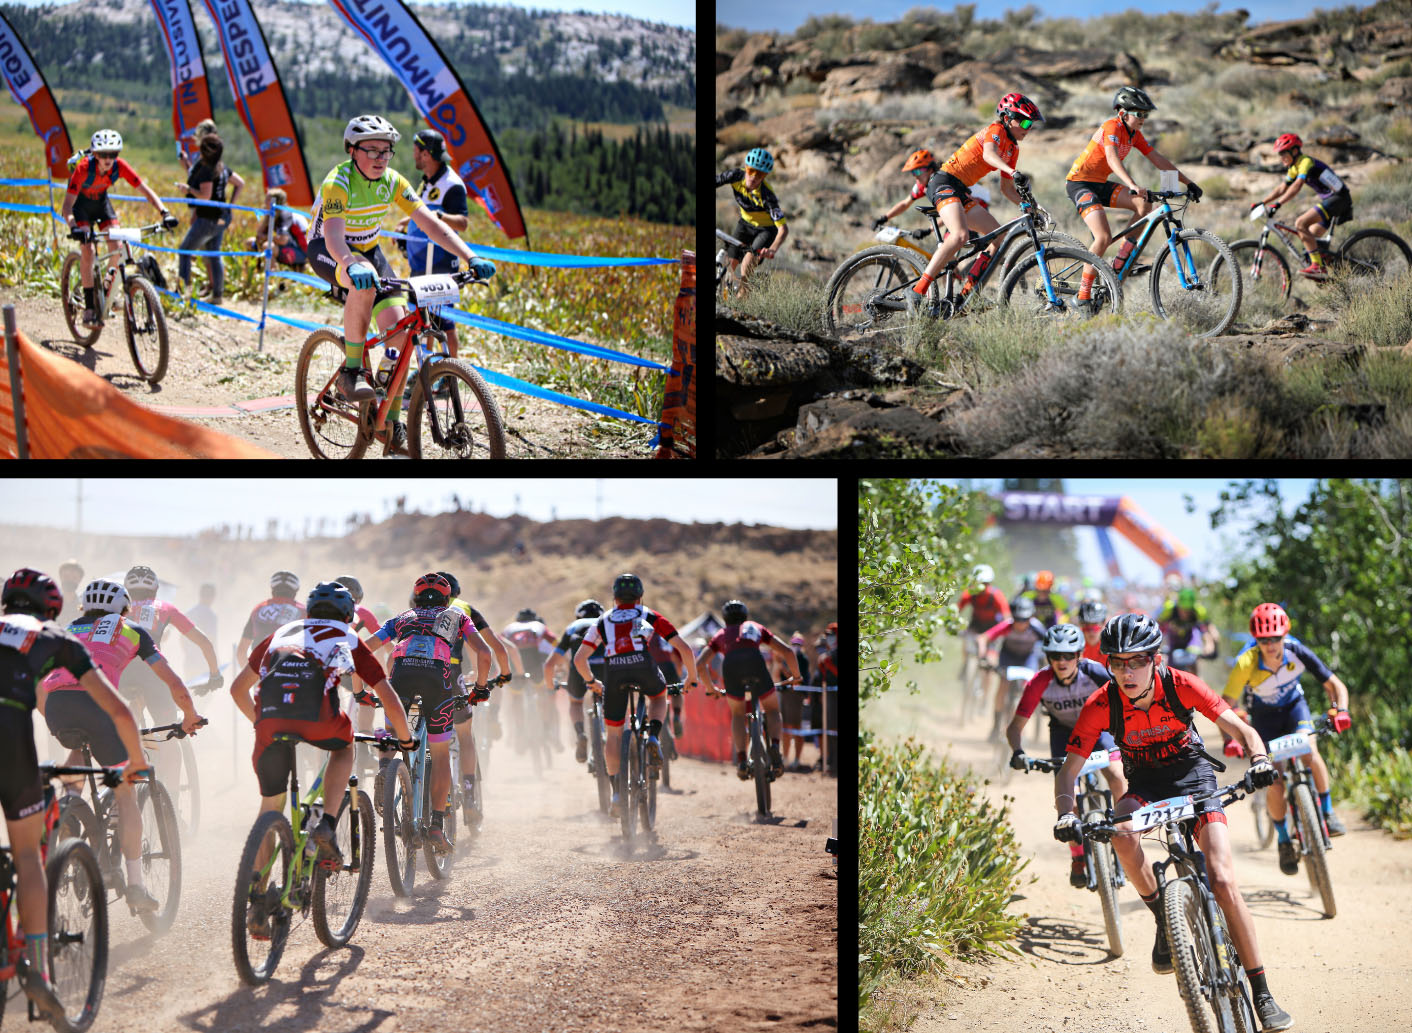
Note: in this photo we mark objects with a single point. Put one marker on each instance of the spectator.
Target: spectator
(208, 181)
(70, 578)
(291, 241)
(826, 649)
(204, 617)
(797, 714)
(203, 129)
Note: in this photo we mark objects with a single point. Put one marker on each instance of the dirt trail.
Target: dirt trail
(1349, 973)
(724, 924)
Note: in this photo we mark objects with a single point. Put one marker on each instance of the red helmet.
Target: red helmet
(430, 588)
(35, 591)
(1288, 142)
(1269, 620)
(922, 159)
(1020, 106)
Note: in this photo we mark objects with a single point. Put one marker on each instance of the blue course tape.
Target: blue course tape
(523, 387)
(38, 209)
(544, 258)
(205, 307)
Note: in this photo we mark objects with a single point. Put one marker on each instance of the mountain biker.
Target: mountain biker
(1050, 607)
(299, 668)
(533, 643)
(739, 644)
(86, 205)
(1092, 614)
(464, 721)
(1091, 190)
(1268, 671)
(995, 147)
(988, 608)
(923, 166)
(74, 717)
(1335, 202)
(363, 621)
(421, 666)
(343, 249)
(1062, 688)
(623, 633)
(1182, 618)
(31, 646)
(585, 615)
(666, 660)
(1018, 644)
(1163, 758)
(275, 612)
(761, 226)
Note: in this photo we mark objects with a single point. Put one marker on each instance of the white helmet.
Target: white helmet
(369, 127)
(108, 596)
(106, 140)
(982, 575)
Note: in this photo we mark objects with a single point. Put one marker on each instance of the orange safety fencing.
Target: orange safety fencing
(70, 412)
(678, 425)
(706, 723)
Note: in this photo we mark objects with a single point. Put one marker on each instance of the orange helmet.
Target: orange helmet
(923, 159)
(1044, 580)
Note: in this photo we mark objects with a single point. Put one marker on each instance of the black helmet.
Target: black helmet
(1063, 638)
(330, 600)
(526, 615)
(734, 612)
(589, 608)
(455, 585)
(431, 141)
(29, 591)
(1092, 611)
(1130, 633)
(353, 586)
(1022, 609)
(1132, 98)
(627, 586)
(284, 583)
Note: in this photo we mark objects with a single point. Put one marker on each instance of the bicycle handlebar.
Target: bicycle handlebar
(112, 777)
(174, 730)
(1102, 830)
(385, 743)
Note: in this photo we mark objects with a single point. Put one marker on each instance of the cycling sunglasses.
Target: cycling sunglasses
(106, 154)
(1024, 123)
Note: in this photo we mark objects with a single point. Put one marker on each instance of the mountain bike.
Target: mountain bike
(1015, 676)
(281, 877)
(1105, 874)
(97, 825)
(668, 739)
(871, 293)
(451, 413)
(727, 282)
(762, 771)
(1210, 977)
(144, 322)
(78, 912)
(594, 731)
(1377, 255)
(1289, 753)
(637, 776)
(406, 805)
(175, 763)
(972, 678)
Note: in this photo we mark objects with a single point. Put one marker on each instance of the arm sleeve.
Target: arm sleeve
(733, 176)
(964, 601)
(1312, 663)
(128, 173)
(179, 620)
(1095, 670)
(1034, 689)
(662, 626)
(772, 205)
(406, 199)
(1235, 681)
(370, 622)
(73, 656)
(366, 665)
(258, 654)
(1140, 142)
(1001, 603)
(718, 640)
(999, 629)
(592, 636)
(564, 643)
(479, 621)
(384, 632)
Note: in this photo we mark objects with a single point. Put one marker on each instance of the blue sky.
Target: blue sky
(787, 15)
(157, 506)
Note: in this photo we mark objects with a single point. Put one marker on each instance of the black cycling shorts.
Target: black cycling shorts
(746, 669)
(755, 238)
(1088, 196)
(75, 718)
(622, 671)
(328, 270)
(1184, 778)
(943, 188)
(1340, 207)
(94, 211)
(21, 789)
(435, 682)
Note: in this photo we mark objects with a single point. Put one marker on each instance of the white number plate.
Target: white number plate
(1018, 674)
(1163, 811)
(131, 236)
(434, 291)
(1097, 761)
(1286, 746)
(888, 234)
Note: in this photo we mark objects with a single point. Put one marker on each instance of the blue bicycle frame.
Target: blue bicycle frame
(1186, 272)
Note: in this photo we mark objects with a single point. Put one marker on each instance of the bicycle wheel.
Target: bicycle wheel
(146, 326)
(600, 768)
(1265, 277)
(760, 765)
(1264, 827)
(648, 795)
(436, 863)
(1376, 254)
(1194, 958)
(186, 797)
(668, 750)
(161, 855)
(464, 410)
(398, 830)
(71, 299)
(1024, 287)
(860, 302)
(1207, 302)
(1310, 832)
(332, 427)
(78, 933)
(627, 787)
(1024, 246)
(259, 893)
(341, 893)
(1101, 854)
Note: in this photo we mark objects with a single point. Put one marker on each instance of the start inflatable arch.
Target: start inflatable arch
(1121, 514)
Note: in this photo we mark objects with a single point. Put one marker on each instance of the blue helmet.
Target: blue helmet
(760, 159)
(330, 600)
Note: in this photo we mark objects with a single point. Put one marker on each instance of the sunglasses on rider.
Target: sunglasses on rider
(110, 155)
(1270, 641)
(1137, 114)
(1137, 663)
(1024, 123)
(1062, 657)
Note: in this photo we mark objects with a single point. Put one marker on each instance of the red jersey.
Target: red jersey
(1094, 653)
(746, 635)
(1152, 737)
(987, 609)
(87, 181)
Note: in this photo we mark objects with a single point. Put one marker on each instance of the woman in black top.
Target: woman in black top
(207, 180)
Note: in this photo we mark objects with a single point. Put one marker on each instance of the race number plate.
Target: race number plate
(1163, 811)
(1295, 744)
(434, 291)
(888, 234)
(1097, 761)
(1018, 673)
(120, 234)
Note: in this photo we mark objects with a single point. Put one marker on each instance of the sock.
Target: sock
(1086, 285)
(437, 819)
(329, 822)
(654, 728)
(1153, 906)
(775, 743)
(1281, 831)
(1258, 986)
(353, 353)
(740, 756)
(1075, 850)
(1327, 799)
(37, 953)
(923, 284)
(134, 872)
(578, 729)
(468, 781)
(977, 267)
(1317, 257)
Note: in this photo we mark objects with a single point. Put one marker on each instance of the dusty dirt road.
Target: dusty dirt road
(1348, 974)
(725, 924)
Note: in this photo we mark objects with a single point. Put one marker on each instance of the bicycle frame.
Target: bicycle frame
(1296, 771)
(1024, 224)
(1289, 237)
(1166, 216)
(301, 868)
(119, 258)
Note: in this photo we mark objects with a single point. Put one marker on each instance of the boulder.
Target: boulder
(859, 425)
(1227, 159)
(1395, 93)
(723, 61)
(980, 82)
(870, 83)
(797, 130)
(730, 116)
(760, 51)
(930, 55)
(1061, 64)
(1337, 136)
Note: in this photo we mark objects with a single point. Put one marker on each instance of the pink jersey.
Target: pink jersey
(155, 615)
(113, 643)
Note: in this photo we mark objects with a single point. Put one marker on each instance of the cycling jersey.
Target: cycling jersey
(573, 638)
(625, 633)
(476, 619)
(87, 181)
(1091, 166)
(1280, 687)
(533, 641)
(113, 642)
(301, 664)
(1017, 639)
(271, 615)
(746, 635)
(758, 207)
(154, 615)
(361, 203)
(988, 608)
(1154, 737)
(443, 192)
(1048, 608)
(1063, 702)
(30, 649)
(1168, 614)
(968, 165)
(426, 633)
(1318, 175)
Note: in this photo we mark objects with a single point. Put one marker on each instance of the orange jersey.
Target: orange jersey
(969, 167)
(1092, 165)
